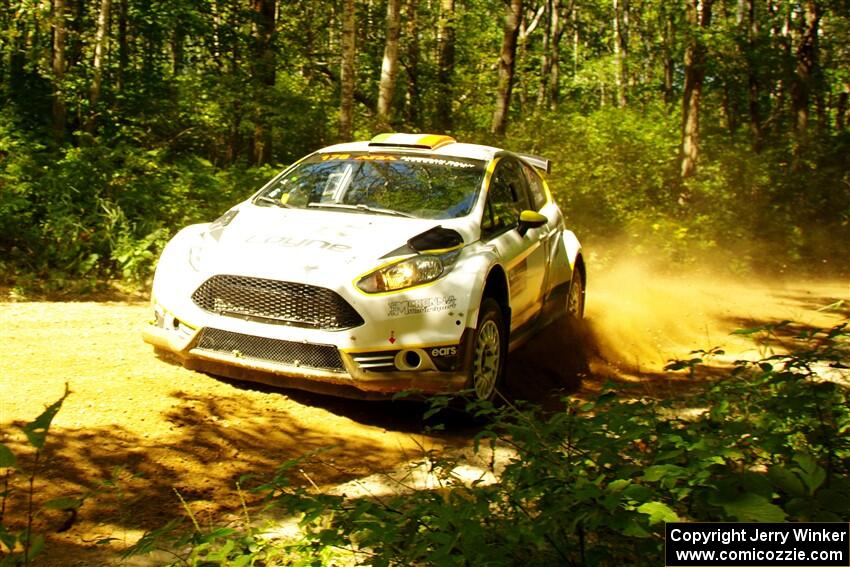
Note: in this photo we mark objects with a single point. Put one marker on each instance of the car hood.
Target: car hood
(311, 246)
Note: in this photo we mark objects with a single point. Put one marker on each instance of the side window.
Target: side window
(535, 187)
(506, 198)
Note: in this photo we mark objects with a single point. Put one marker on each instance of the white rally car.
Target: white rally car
(409, 262)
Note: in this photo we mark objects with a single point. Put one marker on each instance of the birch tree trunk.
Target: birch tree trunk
(389, 66)
(446, 38)
(620, 51)
(507, 64)
(413, 98)
(346, 79)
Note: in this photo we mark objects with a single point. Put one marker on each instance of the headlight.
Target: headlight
(407, 273)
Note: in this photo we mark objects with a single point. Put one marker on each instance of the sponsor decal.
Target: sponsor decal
(376, 157)
(516, 277)
(424, 305)
(432, 161)
(444, 351)
(297, 242)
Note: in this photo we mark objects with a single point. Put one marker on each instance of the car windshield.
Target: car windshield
(420, 186)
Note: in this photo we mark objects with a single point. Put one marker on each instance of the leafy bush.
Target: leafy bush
(99, 211)
(590, 485)
(616, 177)
(20, 547)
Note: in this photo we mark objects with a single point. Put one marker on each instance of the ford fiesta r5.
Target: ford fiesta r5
(409, 262)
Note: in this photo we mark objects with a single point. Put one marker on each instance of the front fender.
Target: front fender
(483, 258)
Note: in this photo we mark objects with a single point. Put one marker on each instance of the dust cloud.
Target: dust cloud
(640, 316)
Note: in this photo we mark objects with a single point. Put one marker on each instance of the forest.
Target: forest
(707, 140)
(701, 132)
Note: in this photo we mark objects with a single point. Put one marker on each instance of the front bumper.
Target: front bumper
(256, 352)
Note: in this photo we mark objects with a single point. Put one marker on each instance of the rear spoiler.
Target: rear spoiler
(541, 163)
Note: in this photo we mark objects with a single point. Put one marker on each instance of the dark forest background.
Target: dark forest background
(706, 134)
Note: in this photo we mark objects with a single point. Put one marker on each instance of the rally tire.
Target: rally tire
(575, 297)
(489, 351)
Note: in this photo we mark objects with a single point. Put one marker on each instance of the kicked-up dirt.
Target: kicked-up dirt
(136, 431)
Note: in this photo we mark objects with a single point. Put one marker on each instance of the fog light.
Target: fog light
(412, 359)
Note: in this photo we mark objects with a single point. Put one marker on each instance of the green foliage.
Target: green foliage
(616, 177)
(186, 102)
(20, 547)
(101, 211)
(590, 485)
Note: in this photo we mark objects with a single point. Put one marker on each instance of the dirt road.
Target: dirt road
(135, 429)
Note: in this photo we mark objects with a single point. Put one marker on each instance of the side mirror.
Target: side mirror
(529, 220)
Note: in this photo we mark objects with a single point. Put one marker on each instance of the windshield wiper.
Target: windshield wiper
(273, 201)
(360, 208)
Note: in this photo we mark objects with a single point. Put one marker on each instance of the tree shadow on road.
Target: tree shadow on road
(215, 444)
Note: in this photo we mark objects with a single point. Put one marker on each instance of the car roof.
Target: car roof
(428, 143)
(433, 144)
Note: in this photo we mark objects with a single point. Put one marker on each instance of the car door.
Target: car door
(523, 256)
(549, 233)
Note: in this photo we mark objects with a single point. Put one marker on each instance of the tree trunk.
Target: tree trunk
(807, 57)
(264, 77)
(575, 38)
(557, 32)
(445, 71)
(550, 63)
(413, 98)
(177, 40)
(507, 65)
(727, 108)
(123, 47)
(100, 44)
(75, 27)
(620, 52)
(668, 56)
(17, 59)
(59, 37)
(545, 58)
(841, 109)
(389, 66)
(750, 19)
(346, 79)
(698, 18)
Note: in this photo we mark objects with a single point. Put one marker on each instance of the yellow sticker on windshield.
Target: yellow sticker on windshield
(376, 157)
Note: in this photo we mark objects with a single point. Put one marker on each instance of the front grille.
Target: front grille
(325, 357)
(273, 301)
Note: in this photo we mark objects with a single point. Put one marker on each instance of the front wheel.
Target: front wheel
(575, 297)
(489, 350)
